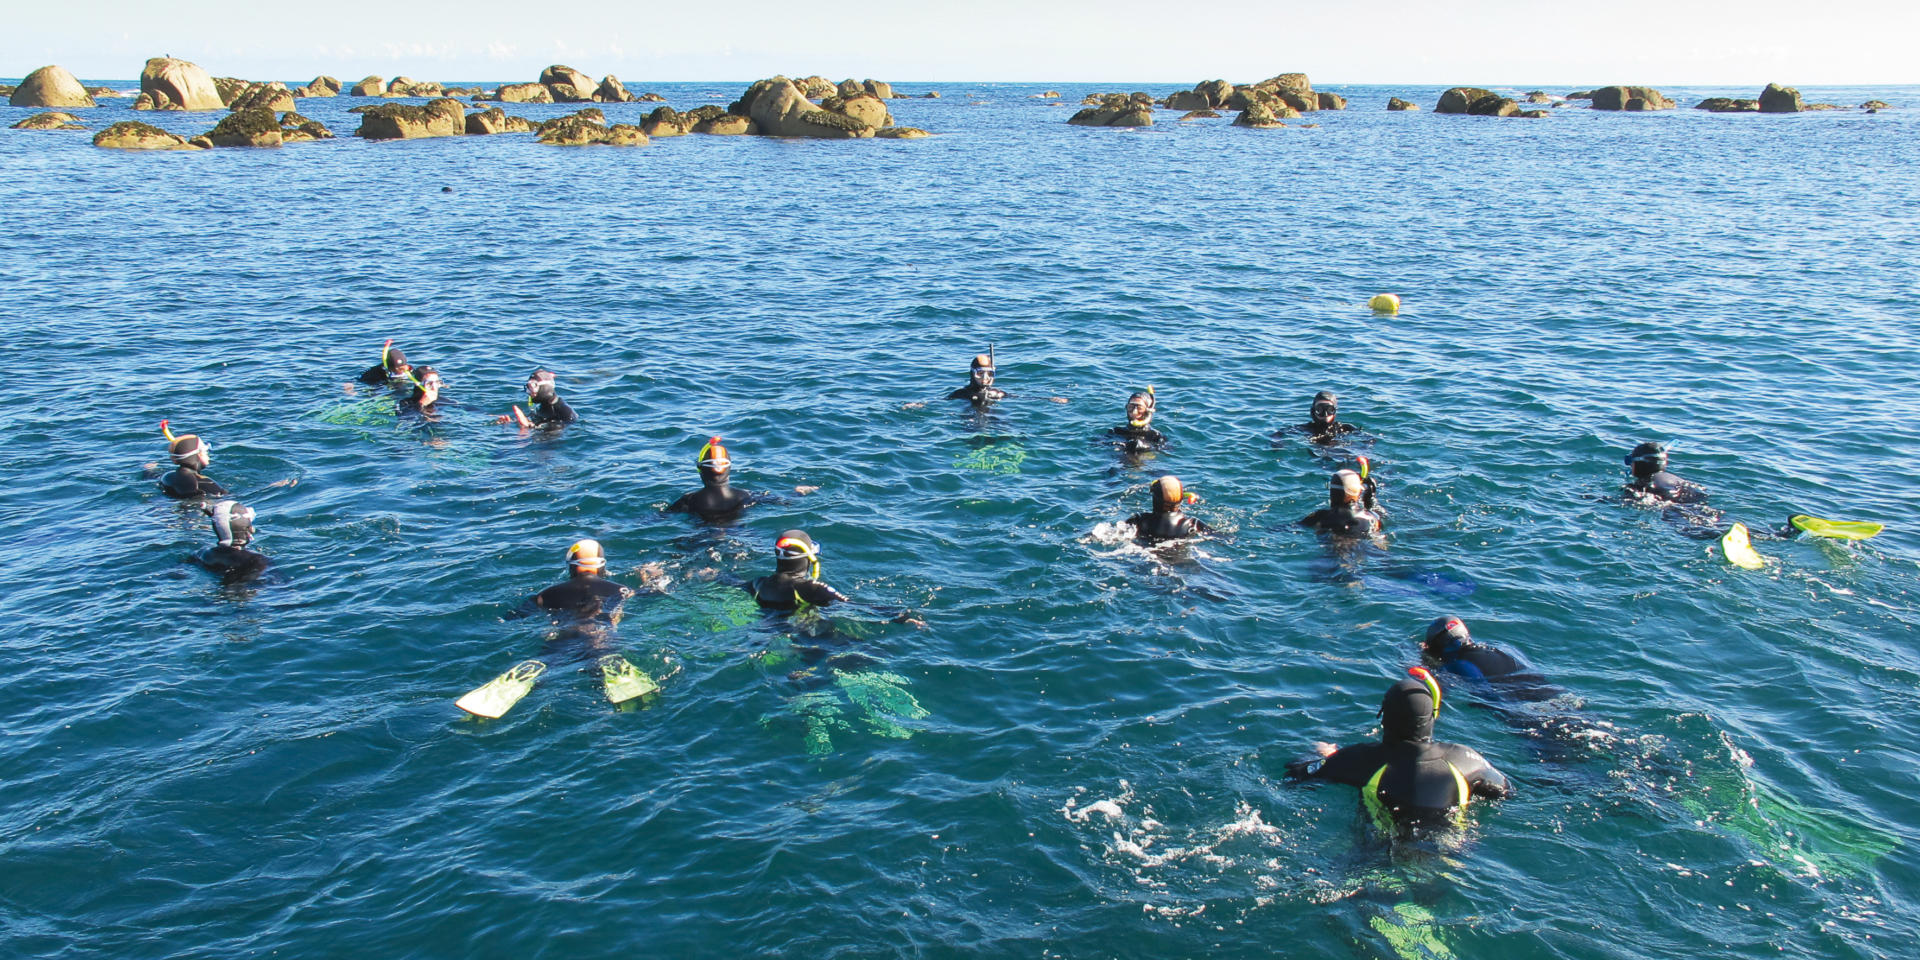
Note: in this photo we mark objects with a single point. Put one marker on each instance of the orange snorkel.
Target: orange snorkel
(1433, 686)
(166, 432)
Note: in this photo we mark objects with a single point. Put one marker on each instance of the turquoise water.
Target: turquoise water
(1080, 756)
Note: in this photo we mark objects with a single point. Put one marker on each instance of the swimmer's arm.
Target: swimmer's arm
(964, 393)
(682, 505)
(1482, 778)
(1349, 765)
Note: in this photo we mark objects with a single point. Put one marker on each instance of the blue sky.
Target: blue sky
(1734, 42)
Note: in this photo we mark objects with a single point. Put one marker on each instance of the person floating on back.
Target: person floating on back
(1168, 520)
(190, 456)
(980, 390)
(233, 531)
(1353, 508)
(1407, 778)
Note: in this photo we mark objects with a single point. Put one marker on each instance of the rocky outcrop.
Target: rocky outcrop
(1331, 101)
(650, 98)
(50, 86)
(777, 109)
(1459, 99)
(581, 131)
(1217, 92)
(878, 88)
(816, 88)
(1876, 105)
(1537, 96)
(1114, 110)
(1622, 97)
(1580, 95)
(1200, 115)
(1778, 99)
(256, 127)
(1727, 105)
(865, 108)
(230, 88)
(1188, 100)
(323, 86)
(409, 87)
(134, 135)
(567, 85)
(524, 93)
(849, 88)
(1395, 103)
(611, 90)
(1290, 90)
(495, 120)
(1260, 116)
(1493, 105)
(717, 122)
(666, 122)
(51, 121)
(930, 95)
(369, 87)
(295, 128)
(184, 85)
(268, 96)
(398, 121)
(901, 133)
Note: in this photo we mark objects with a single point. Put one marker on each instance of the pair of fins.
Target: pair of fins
(492, 700)
(1737, 545)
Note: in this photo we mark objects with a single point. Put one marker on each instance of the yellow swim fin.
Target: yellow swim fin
(1837, 529)
(495, 697)
(1739, 549)
(624, 680)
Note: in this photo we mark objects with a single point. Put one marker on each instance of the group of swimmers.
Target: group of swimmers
(1406, 778)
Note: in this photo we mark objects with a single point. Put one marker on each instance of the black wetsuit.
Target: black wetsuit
(1506, 672)
(1157, 526)
(977, 395)
(1326, 434)
(787, 591)
(584, 596)
(1140, 439)
(1414, 780)
(554, 413)
(717, 501)
(233, 564)
(379, 376)
(1668, 487)
(1351, 521)
(186, 483)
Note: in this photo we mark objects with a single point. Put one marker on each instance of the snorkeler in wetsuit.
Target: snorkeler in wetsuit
(547, 409)
(426, 392)
(190, 456)
(1407, 778)
(716, 499)
(392, 370)
(796, 576)
(585, 594)
(1167, 521)
(1323, 419)
(229, 557)
(980, 390)
(1449, 646)
(1138, 435)
(1352, 510)
(1651, 481)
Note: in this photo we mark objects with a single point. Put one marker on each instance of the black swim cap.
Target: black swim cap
(540, 386)
(1446, 634)
(1406, 712)
(793, 551)
(1648, 454)
(396, 358)
(232, 523)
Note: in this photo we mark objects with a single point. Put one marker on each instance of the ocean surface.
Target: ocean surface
(1082, 754)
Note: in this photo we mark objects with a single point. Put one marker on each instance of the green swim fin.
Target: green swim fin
(1837, 529)
(624, 680)
(495, 697)
(1739, 549)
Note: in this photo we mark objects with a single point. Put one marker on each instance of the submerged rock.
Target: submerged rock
(1778, 99)
(50, 86)
(252, 127)
(1395, 103)
(901, 133)
(1200, 115)
(50, 121)
(1727, 105)
(134, 135)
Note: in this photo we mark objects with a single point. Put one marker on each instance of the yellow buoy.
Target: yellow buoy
(1385, 303)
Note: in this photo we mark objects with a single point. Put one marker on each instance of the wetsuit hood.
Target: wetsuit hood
(981, 374)
(795, 553)
(1140, 409)
(232, 523)
(715, 464)
(586, 557)
(1445, 636)
(1168, 494)
(540, 387)
(1647, 459)
(1345, 490)
(1406, 713)
(395, 359)
(1325, 410)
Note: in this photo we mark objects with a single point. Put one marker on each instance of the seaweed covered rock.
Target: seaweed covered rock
(715, 121)
(666, 122)
(134, 135)
(1493, 105)
(1622, 97)
(1200, 115)
(816, 87)
(1875, 106)
(323, 86)
(579, 131)
(1395, 103)
(1188, 100)
(184, 85)
(865, 108)
(254, 127)
(589, 114)
(50, 86)
(1217, 92)
(1727, 105)
(1258, 116)
(51, 121)
(524, 93)
(369, 87)
(1292, 89)
(1778, 99)
(1114, 110)
(901, 133)
(496, 120)
(1537, 96)
(849, 88)
(409, 87)
(611, 90)
(1460, 99)
(400, 121)
(1331, 101)
(230, 88)
(264, 96)
(295, 128)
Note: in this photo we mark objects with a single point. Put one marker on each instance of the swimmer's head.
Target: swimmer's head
(1140, 409)
(1169, 495)
(1345, 488)
(1647, 459)
(982, 373)
(540, 387)
(397, 364)
(715, 464)
(232, 523)
(1325, 409)
(1445, 635)
(187, 449)
(1408, 709)
(586, 557)
(426, 385)
(795, 552)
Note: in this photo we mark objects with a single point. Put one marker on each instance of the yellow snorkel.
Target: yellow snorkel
(1425, 676)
